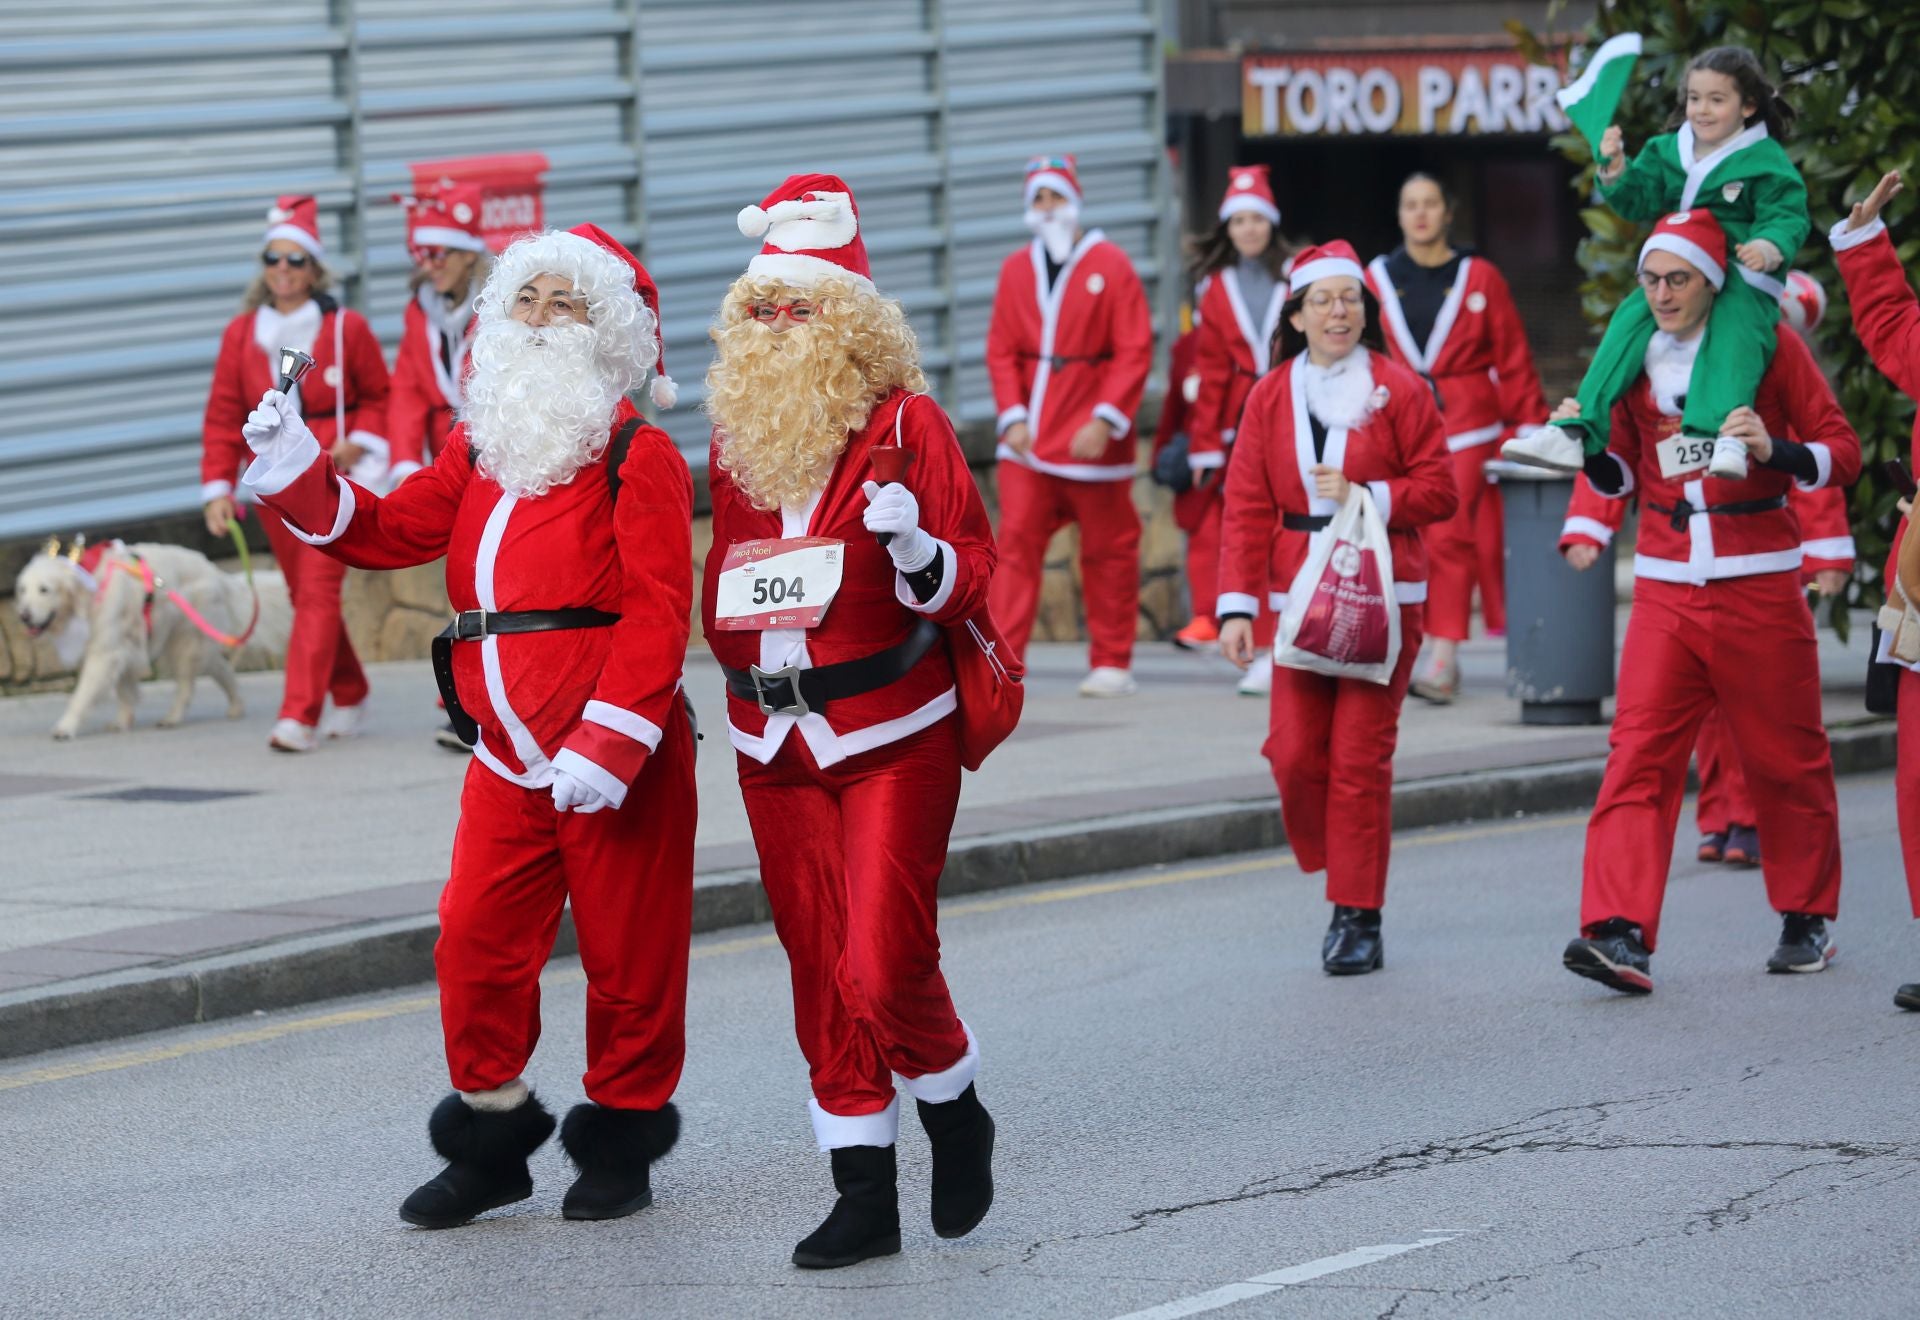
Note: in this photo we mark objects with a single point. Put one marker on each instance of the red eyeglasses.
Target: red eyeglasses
(768, 313)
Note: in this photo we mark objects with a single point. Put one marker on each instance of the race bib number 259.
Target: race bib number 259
(778, 583)
(1681, 455)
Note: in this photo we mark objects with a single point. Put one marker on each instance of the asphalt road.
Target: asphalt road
(1191, 1117)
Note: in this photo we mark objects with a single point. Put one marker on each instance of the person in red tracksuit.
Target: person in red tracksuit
(1241, 271)
(1718, 620)
(1887, 317)
(1332, 414)
(344, 402)
(825, 601)
(1068, 351)
(1450, 317)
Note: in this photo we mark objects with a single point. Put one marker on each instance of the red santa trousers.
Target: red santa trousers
(1203, 571)
(1464, 551)
(320, 658)
(1906, 782)
(1724, 798)
(1745, 645)
(629, 876)
(1331, 741)
(1035, 505)
(850, 857)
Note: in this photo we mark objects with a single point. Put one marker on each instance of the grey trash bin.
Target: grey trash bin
(1559, 622)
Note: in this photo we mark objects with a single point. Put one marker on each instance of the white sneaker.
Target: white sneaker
(292, 736)
(1545, 447)
(1107, 681)
(342, 721)
(1729, 461)
(1258, 680)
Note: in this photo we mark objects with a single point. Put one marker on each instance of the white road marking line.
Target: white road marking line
(1262, 1284)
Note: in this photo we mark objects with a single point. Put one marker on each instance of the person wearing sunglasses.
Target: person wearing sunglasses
(344, 399)
(1719, 621)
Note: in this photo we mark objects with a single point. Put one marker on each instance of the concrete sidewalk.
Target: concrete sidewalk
(131, 853)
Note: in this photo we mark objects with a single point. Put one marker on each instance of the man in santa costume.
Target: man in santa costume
(1718, 621)
(565, 524)
(826, 600)
(1068, 351)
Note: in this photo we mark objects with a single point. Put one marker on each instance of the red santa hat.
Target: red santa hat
(1248, 189)
(448, 217)
(1056, 172)
(812, 229)
(1325, 261)
(296, 219)
(1696, 238)
(1804, 302)
(664, 392)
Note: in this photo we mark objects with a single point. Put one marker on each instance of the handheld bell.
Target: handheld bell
(889, 464)
(293, 365)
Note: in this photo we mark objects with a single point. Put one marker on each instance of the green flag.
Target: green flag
(1591, 101)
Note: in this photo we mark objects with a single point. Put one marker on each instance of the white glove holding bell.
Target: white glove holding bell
(892, 509)
(570, 794)
(275, 429)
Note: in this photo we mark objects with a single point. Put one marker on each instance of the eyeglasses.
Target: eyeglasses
(1676, 280)
(296, 260)
(768, 313)
(568, 306)
(1323, 300)
(430, 256)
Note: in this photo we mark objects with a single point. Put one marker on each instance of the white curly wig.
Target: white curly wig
(626, 335)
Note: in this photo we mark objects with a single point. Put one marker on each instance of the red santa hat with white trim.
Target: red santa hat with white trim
(1325, 261)
(1059, 173)
(663, 391)
(1249, 189)
(811, 225)
(448, 217)
(1696, 238)
(1804, 302)
(296, 219)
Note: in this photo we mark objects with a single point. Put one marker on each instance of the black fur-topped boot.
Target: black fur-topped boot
(865, 1221)
(486, 1152)
(612, 1149)
(961, 1131)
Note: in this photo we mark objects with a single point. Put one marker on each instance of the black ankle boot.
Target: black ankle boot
(962, 1134)
(1353, 944)
(612, 1149)
(486, 1152)
(865, 1221)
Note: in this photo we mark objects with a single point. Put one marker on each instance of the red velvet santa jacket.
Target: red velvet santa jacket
(425, 393)
(1826, 538)
(1060, 357)
(1477, 354)
(1398, 453)
(244, 371)
(1794, 400)
(590, 701)
(875, 609)
(1230, 354)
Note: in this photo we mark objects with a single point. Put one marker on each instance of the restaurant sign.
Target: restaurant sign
(1406, 94)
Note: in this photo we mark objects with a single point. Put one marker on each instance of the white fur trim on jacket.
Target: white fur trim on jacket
(1591, 528)
(592, 774)
(1010, 417)
(637, 727)
(213, 490)
(1112, 416)
(944, 593)
(950, 1083)
(1212, 458)
(1236, 602)
(1828, 547)
(1382, 498)
(834, 1131)
(1823, 467)
(1071, 471)
(1843, 238)
(271, 474)
(341, 518)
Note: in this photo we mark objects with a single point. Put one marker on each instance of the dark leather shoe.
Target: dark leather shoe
(486, 1152)
(1908, 997)
(865, 1221)
(1353, 946)
(961, 1131)
(613, 1150)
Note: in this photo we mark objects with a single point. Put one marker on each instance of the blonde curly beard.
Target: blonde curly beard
(785, 402)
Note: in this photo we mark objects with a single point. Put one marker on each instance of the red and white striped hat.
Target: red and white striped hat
(1696, 238)
(1059, 173)
(1249, 189)
(812, 228)
(1324, 262)
(297, 219)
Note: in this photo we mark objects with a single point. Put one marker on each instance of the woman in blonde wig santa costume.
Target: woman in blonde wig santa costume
(1333, 414)
(824, 601)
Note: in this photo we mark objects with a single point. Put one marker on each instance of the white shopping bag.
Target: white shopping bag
(1341, 618)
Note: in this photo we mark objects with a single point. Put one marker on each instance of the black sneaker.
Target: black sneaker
(1614, 956)
(1805, 945)
(1908, 997)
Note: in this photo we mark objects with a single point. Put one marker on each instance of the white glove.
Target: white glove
(274, 430)
(570, 794)
(893, 509)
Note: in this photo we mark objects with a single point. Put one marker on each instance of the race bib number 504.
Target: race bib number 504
(778, 583)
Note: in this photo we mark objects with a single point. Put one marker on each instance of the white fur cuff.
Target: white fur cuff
(1843, 238)
(833, 1131)
(500, 1099)
(951, 1083)
(1112, 416)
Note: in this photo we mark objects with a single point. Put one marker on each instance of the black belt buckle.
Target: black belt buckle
(766, 680)
(469, 625)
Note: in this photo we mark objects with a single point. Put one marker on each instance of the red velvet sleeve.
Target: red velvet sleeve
(1004, 342)
(367, 375)
(1425, 492)
(1592, 518)
(1213, 362)
(1130, 339)
(352, 524)
(950, 511)
(1251, 514)
(1885, 311)
(222, 447)
(408, 404)
(1813, 414)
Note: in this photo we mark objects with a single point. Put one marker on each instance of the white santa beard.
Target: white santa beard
(1340, 395)
(538, 404)
(1056, 229)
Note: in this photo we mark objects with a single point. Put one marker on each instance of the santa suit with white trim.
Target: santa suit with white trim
(1331, 740)
(1477, 361)
(434, 337)
(593, 709)
(1719, 619)
(1060, 355)
(348, 383)
(852, 805)
(1232, 341)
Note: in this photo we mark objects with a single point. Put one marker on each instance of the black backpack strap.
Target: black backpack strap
(616, 453)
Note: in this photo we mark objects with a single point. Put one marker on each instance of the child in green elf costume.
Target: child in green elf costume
(1726, 157)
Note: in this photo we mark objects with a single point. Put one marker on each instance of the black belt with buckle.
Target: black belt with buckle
(473, 625)
(796, 691)
(1305, 522)
(1677, 515)
(1059, 360)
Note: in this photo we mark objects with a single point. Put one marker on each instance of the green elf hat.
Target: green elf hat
(1592, 100)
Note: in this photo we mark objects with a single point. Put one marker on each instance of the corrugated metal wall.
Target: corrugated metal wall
(140, 145)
